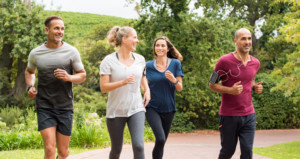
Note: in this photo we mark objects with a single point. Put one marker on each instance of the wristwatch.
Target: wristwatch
(176, 81)
(28, 87)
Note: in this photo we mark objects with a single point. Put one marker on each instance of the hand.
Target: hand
(169, 75)
(62, 74)
(236, 89)
(147, 98)
(32, 93)
(129, 80)
(258, 87)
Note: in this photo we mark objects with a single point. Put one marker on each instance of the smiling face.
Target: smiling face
(55, 31)
(161, 48)
(243, 41)
(130, 41)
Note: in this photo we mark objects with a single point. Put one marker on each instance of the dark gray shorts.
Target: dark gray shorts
(62, 119)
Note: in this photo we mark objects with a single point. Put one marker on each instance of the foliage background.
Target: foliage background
(200, 39)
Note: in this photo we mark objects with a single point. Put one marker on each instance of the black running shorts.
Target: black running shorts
(62, 119)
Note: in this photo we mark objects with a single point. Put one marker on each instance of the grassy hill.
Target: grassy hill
(79, 25)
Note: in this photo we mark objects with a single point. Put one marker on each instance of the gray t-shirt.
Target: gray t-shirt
(54, 93)
(126, 100)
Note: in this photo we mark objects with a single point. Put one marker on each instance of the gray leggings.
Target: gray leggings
(116, 127)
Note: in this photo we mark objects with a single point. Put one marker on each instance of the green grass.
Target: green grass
(38, 153)
(290, 150)
(79, 25)
(33, 153)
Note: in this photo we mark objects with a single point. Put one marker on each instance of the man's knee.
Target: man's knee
(49, 150)
(226, 154)
(63, 154)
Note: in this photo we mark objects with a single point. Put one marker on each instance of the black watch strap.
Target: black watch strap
(28, 87)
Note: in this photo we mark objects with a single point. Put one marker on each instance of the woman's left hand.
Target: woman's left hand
(169, 75)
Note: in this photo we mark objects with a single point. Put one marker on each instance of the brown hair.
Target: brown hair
(173, 52)
(49, 19)
(115, 35)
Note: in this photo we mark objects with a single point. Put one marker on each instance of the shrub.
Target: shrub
(89, 131)
(273, 109)
(11, 115)
(2, 126)
(181, 123)
(20, 140)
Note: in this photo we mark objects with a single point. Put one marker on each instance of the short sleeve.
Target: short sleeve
(76, 63)
(220, 68)
(31, 61)
(145, 65)
(144, 72)
(179, 71)
(105, 68)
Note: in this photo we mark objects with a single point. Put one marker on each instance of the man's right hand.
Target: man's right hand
(32, 93)
(236, 89)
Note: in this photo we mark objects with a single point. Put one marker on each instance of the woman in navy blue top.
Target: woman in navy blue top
(164, 76)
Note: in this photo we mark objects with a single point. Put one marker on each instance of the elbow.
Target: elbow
(103, 90)
(179, 89)
(83, 77)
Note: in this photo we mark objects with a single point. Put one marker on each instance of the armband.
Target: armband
(214, 78)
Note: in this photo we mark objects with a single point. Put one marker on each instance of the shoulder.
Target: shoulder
(138, 56)
(150, 62)
(37, 49)
(110, 56)
(226, 57)
(255, 59)
(70, 47)
(176, 61)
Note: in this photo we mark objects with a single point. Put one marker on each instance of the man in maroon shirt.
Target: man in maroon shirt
(236, 71)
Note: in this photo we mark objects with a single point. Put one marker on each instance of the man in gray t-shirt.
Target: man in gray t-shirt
(55, 61)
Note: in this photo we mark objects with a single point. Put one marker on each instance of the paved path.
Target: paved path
(200, 145)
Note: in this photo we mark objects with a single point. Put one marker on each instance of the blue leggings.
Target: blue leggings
(161, 125)
(136, 124)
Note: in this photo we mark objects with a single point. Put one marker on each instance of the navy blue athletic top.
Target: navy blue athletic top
(162, 90)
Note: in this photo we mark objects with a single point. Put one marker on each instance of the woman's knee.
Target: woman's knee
(160, 140)
(138, 147)
(116, 151)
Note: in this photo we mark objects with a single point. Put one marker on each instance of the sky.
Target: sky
(118, 8)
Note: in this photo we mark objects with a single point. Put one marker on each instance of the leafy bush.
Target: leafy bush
(181, 123)
(20, 140)
(11, 115)
(2, 126)
(89, 131)
(88, 100)
(273, 109)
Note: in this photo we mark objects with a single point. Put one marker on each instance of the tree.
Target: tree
(289, 74)
(200, 40)
(21, 30)
(249, 10)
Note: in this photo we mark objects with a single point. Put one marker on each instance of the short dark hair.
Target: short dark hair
(49, 19)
